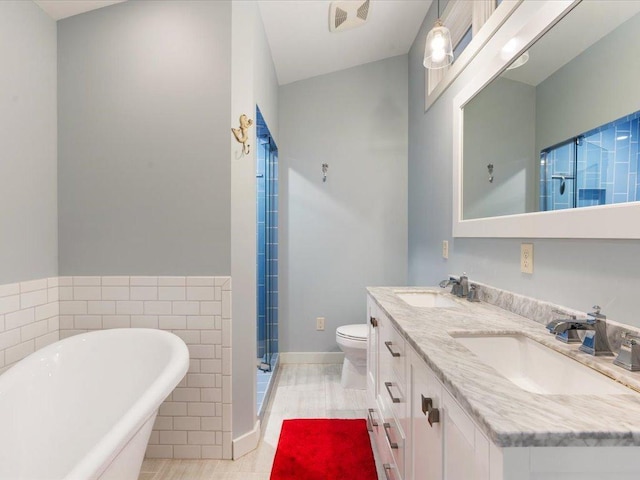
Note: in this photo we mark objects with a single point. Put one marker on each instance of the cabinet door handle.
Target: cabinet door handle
(433, 414)
(388, 386)
(393, 354)
(372, 423)
(387, 468)
(427, 404)
(387, 427)
(373, 321)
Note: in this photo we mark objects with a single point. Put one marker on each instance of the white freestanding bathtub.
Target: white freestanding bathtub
(83, 408)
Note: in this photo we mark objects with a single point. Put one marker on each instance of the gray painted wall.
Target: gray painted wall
(571, 272)
(28, 139)
(499, 129)
(144, 171)
(338, 237)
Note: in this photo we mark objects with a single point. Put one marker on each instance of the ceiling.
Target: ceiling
(298, 32)
(302, 46)
(59, 9)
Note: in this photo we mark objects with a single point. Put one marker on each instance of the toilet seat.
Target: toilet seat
(357, 332)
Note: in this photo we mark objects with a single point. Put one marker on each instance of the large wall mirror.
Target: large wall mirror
(546, 136)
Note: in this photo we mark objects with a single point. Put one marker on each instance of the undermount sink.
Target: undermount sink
(536, 368)
(426, 299)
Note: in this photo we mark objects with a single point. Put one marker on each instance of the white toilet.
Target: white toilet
(352, 340)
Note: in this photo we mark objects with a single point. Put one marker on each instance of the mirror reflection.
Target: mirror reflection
(559, 127)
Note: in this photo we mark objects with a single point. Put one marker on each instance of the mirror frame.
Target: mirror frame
(529, 22)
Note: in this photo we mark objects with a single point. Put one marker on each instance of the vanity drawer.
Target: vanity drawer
(392, 348)
(392, 385)
(394, 395)
(393, 440)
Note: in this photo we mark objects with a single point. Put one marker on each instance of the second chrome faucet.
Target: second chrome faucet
(594, 342)
(460, 287)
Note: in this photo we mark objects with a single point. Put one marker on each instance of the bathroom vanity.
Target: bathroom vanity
(471, 391)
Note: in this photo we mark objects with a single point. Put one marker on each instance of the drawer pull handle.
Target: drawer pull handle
(371, 422)
(393, 354)
(387, 468)
(433, 414)
(388, 386)
(427, 404)
(373, 321)
(387, 427)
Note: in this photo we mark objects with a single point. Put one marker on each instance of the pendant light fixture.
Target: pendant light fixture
(438, 52)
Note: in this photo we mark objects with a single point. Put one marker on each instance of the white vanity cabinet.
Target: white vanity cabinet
(465, 448)
(372, 352)
(388, 393)
(426, 422)
(423, 433)
(405, 396)
(446, 443)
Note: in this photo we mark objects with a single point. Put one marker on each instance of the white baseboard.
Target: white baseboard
(311, 357)
(246, 443)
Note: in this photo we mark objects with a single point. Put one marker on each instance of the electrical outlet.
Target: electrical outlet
(320, 323)
(526, 258)
(445, 249)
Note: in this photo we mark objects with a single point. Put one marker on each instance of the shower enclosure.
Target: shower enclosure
(598, 167)
(267, 257)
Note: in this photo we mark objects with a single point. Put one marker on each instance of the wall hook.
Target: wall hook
(325, 167)
(490, 168)
(242, 133)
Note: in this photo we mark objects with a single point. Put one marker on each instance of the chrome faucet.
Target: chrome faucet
(452, 280)
(595, 341)
(459, 285)
(560, 327)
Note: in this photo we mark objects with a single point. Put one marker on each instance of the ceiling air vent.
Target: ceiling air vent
(347, 14)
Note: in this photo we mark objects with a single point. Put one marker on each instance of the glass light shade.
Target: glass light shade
(438, 50)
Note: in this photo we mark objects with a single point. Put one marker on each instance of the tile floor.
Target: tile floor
(301, 391)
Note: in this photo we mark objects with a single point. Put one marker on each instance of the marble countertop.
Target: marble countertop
(507, 414)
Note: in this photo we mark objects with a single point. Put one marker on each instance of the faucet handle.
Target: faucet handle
(596, 313)
(472, 296)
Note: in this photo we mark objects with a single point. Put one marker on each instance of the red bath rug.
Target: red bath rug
(324, 449)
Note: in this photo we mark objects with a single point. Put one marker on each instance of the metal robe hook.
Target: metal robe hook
(490, 168)
(325, 167)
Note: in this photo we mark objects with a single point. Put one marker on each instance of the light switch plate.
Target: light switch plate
(445, 249)
(526, 258)
(320, 323)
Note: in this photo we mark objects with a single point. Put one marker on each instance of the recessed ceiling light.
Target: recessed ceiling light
(521, 60)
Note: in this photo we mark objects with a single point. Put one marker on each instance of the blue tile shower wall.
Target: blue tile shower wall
(606, 167)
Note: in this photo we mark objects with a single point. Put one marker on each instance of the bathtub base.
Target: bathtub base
(127, 464)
